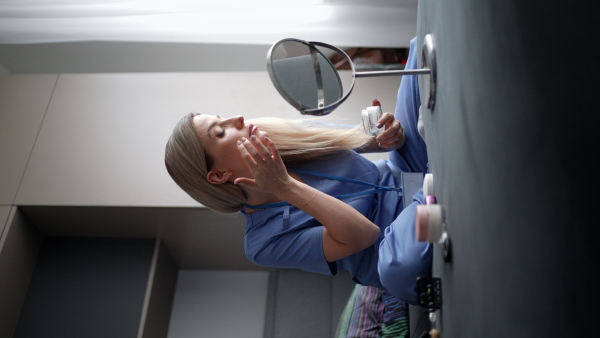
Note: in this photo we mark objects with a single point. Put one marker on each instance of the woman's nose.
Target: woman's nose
(238, 121)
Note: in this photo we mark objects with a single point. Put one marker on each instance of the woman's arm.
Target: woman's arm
(346, 231)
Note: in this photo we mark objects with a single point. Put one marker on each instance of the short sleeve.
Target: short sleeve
(302, 249)
(300, 246)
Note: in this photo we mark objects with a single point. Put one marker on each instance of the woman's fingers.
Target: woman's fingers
(393, 136)
(273, 151)
(385, 119)
(266, 166)
(261, 149)
(255, 151)
(248, 152)
(394, 142)
(392, 126)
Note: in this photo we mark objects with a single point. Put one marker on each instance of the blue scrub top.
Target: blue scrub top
(287, 237)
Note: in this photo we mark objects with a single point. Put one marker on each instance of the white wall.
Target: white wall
(216, 304)
(103, 136)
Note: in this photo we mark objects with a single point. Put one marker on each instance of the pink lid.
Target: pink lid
(422, 223)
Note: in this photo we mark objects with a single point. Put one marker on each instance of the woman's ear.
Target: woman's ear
(218, 176)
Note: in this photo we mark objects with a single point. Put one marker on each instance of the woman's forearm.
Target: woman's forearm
(350, 230)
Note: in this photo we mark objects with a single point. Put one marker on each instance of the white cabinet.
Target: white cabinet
(23, 103)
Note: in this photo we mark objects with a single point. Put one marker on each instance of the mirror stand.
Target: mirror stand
(306, 78)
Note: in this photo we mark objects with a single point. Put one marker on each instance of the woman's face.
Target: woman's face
(219, 138)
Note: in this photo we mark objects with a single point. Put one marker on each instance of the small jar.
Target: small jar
(370, 116)
(430, 223)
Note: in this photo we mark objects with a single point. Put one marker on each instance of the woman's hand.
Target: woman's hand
(265, 165)
(393, 136)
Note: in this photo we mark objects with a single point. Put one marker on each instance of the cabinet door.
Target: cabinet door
(511, 140)
(87, 287)
(23, 103)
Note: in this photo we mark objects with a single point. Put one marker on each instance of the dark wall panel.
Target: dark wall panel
(302, 304)
(87, 287)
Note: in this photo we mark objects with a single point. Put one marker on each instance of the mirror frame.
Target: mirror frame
(429, 68)
(320, 111)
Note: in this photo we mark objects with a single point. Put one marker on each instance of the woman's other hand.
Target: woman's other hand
(265, 164)
(393, 136)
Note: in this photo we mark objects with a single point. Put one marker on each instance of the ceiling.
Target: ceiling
(351, 23)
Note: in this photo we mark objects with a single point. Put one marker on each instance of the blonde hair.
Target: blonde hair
(297, 141)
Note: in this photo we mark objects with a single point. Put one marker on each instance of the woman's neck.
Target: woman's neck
(256, 197)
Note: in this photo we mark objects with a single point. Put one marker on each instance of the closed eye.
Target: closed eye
(222, 133)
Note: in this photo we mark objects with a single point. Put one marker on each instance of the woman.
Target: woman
(310, 201)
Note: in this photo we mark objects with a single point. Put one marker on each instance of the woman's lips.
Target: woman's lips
(251, 129)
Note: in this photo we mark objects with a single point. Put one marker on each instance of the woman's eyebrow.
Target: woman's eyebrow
(210, 127)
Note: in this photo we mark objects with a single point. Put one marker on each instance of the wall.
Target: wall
(23, 104)
(103, 137)
(304, 304)
(211, 303)
(87, 288)
(20, 243)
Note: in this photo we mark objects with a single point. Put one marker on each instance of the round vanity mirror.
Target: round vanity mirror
(305, 77)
